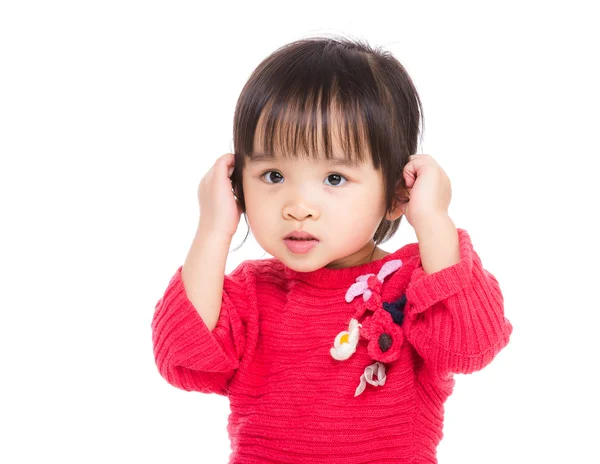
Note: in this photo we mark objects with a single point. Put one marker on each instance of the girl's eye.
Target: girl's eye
(271, 177)
(276, 178)
(337, 179)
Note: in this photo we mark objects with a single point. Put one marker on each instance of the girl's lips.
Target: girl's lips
(300, 246)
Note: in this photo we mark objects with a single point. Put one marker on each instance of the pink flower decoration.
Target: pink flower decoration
(361, 286)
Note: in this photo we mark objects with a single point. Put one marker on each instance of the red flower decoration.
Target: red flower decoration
(385, 337)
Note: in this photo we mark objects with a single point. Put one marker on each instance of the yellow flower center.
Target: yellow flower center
(345, 338)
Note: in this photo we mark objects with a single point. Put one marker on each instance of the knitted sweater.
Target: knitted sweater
(347, 365)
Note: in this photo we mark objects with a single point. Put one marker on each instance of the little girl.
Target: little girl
(333, 350)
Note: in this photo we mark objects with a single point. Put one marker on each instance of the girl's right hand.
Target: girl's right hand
(220, 210)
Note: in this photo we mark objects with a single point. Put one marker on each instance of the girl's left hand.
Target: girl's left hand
(429, 190)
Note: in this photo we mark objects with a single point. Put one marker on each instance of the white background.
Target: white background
(110, 114)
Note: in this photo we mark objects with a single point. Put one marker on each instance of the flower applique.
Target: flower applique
(345, 343)
(361, 286)
(367, 377)
(385, 337)
(381, 329)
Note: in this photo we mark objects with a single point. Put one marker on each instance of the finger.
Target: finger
(409, 174)
(229, 161)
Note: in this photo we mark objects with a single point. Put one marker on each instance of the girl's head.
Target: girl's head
(322, 131)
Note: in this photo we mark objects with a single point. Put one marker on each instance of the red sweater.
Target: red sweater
(287, 356)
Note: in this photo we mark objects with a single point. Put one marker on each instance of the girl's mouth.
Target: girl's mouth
(300, 246)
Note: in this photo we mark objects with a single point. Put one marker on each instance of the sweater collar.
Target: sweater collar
(344, 277)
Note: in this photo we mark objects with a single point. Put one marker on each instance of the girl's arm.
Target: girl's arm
(199, 325)
(203, 273)
(455, 316)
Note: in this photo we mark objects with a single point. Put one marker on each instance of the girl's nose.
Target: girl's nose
(299, 211)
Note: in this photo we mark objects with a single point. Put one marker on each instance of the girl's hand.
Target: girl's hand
(429, 190)
(220, 210)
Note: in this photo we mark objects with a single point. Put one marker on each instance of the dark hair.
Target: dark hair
(295, 91)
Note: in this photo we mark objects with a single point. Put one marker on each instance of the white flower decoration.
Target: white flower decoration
(367, 377)
(361, 287)
(345, 342)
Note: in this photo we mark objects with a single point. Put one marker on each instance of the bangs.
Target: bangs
(311, 124)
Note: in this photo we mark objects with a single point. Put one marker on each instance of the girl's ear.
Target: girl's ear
(401, 193)
(395, 214)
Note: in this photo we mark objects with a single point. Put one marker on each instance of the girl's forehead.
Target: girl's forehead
(294, 136)
(338, 156)
(338, 160)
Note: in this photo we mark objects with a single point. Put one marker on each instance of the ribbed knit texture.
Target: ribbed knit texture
(291, 402)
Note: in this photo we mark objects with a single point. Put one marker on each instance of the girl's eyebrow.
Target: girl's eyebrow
(263, 158)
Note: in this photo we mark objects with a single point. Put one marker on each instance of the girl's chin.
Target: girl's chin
(301, 263)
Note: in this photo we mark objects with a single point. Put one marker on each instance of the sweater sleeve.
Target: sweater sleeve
(188, 355)
(455, 317)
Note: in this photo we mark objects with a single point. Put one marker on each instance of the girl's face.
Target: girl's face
(340, 205)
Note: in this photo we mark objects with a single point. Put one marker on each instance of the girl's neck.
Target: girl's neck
(368, 258)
